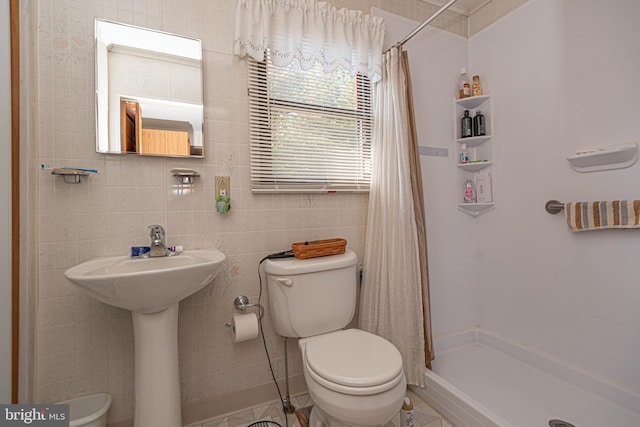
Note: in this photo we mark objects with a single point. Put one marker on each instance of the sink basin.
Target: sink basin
(147, 285)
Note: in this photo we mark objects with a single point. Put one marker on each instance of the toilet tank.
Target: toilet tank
(312, 296)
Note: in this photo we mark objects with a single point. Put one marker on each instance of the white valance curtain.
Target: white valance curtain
(310, 31)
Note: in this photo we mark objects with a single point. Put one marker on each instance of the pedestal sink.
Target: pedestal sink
(151, 288)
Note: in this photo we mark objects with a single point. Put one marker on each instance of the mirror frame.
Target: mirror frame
(110, 35)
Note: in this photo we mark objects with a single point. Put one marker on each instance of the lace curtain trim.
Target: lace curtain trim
(310, 31)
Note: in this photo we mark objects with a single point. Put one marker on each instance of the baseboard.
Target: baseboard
(217, 407)
(445, 343)
(198, 412)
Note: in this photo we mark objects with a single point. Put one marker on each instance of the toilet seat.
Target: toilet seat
(353, 362)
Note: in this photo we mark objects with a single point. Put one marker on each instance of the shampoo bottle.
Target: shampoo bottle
(476, 88)
(466, 126)
(464, 88)
(479, 124)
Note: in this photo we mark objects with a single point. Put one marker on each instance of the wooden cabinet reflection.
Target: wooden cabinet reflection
(152, 142)
(130, 125)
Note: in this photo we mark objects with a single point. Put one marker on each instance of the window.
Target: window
(310, 131)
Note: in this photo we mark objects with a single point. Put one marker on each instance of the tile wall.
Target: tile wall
(83, 346)
(491, 12)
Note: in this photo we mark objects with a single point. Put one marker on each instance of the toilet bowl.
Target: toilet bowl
(355, 378)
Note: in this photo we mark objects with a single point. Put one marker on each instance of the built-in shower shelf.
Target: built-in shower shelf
(474, 141)
(473, 101)
(480, 150)
(475, 209)
(604, 158)
(474, 166)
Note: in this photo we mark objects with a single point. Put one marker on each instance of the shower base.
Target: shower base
(482, 380)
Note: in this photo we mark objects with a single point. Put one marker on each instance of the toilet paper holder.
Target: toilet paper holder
(242, 303)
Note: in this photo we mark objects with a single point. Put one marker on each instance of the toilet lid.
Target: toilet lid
(353, 358)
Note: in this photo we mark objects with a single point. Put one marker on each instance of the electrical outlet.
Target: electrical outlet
(223, 183)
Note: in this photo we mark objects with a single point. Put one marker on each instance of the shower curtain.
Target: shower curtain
(394, 301)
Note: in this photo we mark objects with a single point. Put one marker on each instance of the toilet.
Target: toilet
(355, 378)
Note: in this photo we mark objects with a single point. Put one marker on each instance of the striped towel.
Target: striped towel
(583, 216)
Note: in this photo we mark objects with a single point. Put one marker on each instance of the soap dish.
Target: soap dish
(71, 176)
(186, 176)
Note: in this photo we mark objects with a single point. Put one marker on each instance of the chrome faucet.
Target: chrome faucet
(158, 245)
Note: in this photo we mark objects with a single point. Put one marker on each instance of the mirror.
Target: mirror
(148, 92)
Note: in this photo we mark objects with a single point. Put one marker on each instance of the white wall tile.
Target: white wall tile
(110, 212)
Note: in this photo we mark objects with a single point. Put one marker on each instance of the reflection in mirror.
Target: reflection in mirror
(148, 92)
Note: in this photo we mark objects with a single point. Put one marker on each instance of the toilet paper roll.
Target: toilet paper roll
(245, 327)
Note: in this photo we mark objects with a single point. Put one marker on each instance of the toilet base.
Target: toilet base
(334, 409)
(319, 418)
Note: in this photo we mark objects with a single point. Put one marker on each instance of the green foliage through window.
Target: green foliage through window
(310, 131)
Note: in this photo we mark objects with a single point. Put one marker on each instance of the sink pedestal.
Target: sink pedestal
(151, 288)
(157, 381)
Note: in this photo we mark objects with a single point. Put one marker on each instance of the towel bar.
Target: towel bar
(554, 206)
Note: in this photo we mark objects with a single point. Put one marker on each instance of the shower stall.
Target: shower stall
(533, 325)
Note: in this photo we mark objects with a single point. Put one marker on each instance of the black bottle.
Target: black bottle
(479, 124)
(466, 129)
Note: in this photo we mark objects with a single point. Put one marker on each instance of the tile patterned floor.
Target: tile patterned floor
(425, 415)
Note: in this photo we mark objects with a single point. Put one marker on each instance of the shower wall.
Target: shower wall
(563, 77)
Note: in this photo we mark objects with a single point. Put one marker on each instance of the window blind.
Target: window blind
(310, 131)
